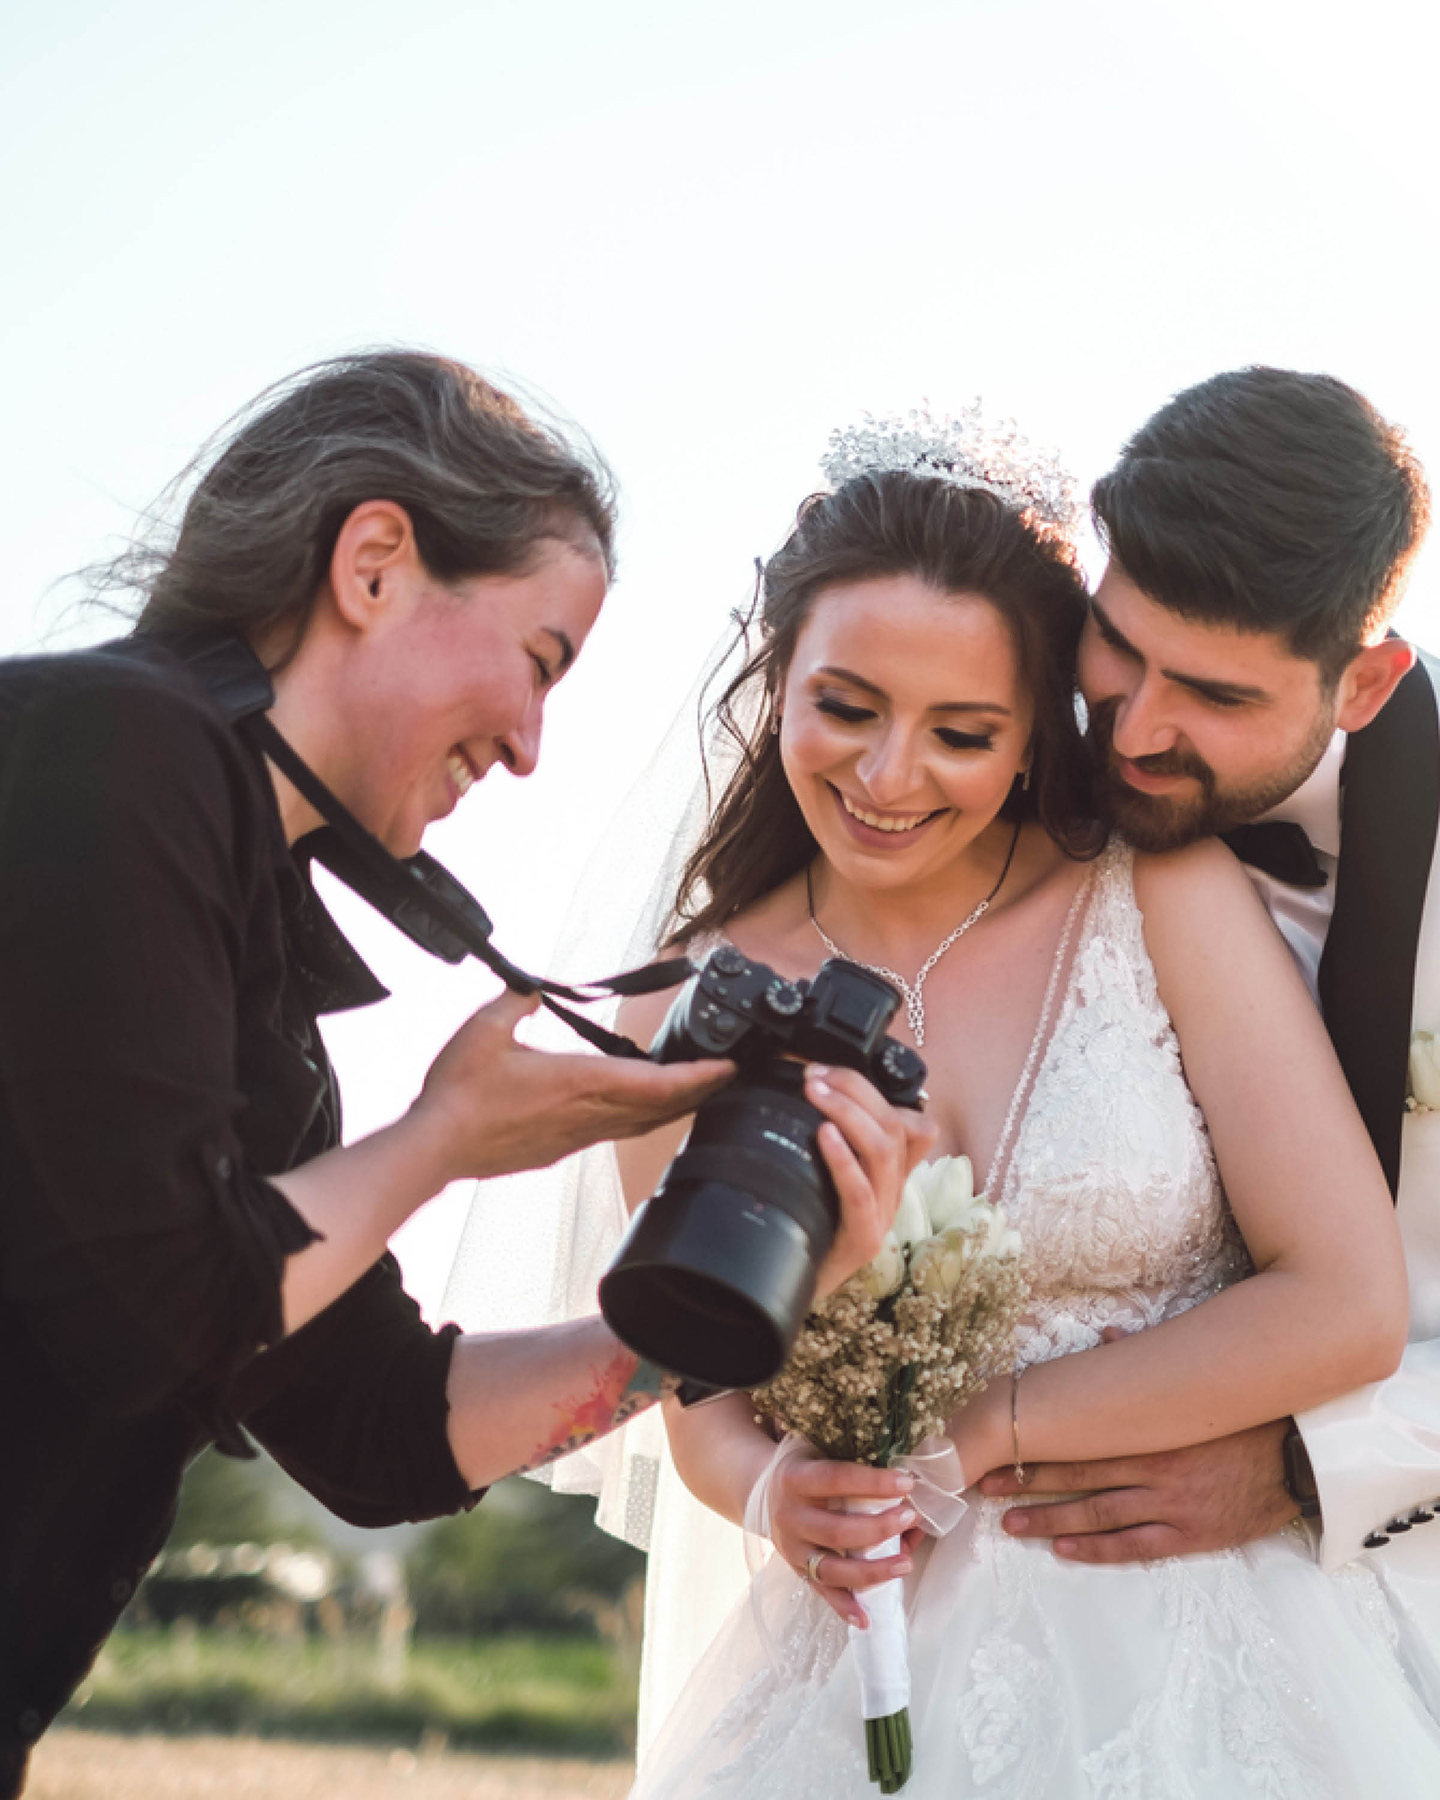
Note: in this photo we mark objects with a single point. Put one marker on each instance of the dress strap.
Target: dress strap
(1061, 968)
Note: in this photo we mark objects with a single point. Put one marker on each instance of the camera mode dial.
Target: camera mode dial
(727, 960)
(900, 1062)
(784, 998)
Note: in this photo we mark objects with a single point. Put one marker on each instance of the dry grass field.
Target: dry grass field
(93, 1765)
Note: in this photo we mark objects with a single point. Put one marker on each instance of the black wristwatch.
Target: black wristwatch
(1299, 1477)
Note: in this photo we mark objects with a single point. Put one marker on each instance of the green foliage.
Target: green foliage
(525, 1558)
(555, 1695)
(225, 1501)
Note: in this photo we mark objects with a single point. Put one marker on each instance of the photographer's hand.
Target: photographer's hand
(489, 1106)
(502, 1106)
(869, 1147)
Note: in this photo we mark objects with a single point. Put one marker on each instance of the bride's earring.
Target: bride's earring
(1025, 782)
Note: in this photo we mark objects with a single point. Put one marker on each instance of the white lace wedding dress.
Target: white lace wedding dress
(1202, 1678)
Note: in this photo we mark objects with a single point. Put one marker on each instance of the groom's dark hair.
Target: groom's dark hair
(1270, 500)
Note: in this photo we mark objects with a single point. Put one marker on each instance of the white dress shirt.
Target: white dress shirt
(1303, 914)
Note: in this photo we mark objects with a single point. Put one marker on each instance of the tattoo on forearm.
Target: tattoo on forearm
(626, 1385)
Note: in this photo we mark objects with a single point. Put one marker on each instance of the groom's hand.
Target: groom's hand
(1212, 1496)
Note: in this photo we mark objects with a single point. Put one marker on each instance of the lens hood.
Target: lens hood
(717, 1271)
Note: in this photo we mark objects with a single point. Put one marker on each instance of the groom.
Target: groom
(1237, 669)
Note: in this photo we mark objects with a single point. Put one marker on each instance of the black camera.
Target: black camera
(717, 1270)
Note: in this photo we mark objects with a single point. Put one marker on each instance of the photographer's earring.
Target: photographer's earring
(775, 724)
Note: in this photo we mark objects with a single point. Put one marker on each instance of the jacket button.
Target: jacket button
(1375, 1540)
(29, 1723)
(1420, 1516)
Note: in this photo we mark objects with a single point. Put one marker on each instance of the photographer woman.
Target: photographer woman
(398, 564)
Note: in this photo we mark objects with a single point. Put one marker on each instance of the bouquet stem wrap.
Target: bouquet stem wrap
(881, 1652)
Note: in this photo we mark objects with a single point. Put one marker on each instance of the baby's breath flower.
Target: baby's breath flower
(871, 1375)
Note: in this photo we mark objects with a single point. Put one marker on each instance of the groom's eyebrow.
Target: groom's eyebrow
(940, 706)
(1226, 691)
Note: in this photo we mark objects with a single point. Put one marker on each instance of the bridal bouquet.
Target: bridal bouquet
(879, 1367)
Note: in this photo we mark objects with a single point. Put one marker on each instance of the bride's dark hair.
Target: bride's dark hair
(958, 541)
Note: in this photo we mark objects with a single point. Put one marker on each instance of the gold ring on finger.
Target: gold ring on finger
(812, 1566)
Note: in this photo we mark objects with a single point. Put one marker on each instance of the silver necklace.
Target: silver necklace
(914, 991)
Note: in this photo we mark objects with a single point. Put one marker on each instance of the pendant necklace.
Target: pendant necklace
(914, 991)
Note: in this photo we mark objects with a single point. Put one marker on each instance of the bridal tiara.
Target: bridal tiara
(964, 450)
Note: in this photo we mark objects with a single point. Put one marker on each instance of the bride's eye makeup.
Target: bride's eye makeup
(844, 710)
(965, 740)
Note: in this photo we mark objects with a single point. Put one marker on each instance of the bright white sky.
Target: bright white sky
(710, 234)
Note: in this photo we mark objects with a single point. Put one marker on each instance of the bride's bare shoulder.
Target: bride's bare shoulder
(1200, 901)
(1199, 874)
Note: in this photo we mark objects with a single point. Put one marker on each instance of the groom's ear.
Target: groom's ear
(1370, 679)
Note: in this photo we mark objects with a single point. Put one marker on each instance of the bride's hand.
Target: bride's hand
(803, 1524)
(869, 1147)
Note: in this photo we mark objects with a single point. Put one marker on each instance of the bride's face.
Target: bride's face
(904, 723)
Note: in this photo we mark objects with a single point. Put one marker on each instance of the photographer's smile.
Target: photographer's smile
(409, 689)
(462, 771)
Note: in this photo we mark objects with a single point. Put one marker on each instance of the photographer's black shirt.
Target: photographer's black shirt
(162, 962)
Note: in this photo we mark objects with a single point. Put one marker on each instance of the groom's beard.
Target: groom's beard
(1168, 821)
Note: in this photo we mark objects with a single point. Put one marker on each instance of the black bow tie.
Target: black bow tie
(1278, 848)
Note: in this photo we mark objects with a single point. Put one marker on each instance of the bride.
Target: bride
(1121, 1045)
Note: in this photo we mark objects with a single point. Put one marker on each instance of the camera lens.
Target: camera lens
(718, 1270)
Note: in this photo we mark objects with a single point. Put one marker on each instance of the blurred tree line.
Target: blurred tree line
(525, 1559)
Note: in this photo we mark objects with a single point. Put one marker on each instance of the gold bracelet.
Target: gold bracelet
(1020, 1476)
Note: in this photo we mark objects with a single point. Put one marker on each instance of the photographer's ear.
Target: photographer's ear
(1370, 679)
(374, 555)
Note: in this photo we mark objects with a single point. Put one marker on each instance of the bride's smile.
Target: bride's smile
(893, 824)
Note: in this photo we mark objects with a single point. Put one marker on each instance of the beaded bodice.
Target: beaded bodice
(1104, 1164)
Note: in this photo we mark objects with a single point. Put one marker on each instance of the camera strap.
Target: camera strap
(423, 899)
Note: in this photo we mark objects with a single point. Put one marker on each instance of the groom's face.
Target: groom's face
(1198, 727)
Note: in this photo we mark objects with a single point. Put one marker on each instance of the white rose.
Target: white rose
(938, 1265)
(1000, 1241)
(885, 1271)
(947, 1187)
(1425, 1071)
(912, 1221)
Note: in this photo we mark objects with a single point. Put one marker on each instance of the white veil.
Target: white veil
(535, 1245)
